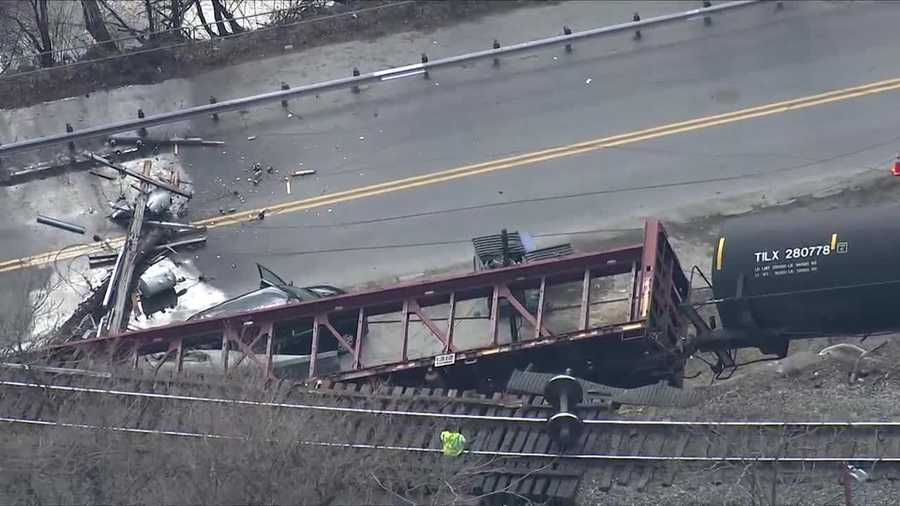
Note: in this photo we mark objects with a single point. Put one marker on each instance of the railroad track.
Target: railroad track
(509, 429)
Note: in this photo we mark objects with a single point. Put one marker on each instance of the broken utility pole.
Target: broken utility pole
(117, 320)
(142, 177)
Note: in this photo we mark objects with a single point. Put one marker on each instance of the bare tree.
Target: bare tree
(33, 23)
(202, 16)
(269, 455)
(218, 13)
(96, 25)
(23, 308)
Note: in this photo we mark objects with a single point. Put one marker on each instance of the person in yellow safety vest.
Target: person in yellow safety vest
(454, 443)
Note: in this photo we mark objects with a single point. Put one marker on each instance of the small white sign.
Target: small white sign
(442, 360)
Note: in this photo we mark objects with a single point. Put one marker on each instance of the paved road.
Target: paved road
(530, 103)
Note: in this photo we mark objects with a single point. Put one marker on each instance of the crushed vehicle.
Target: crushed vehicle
(292, 345)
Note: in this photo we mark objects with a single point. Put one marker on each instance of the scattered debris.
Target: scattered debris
(251, 138)
(288, 47)
(307, 172)
(137, 175)
(153, 283)
(120, 214)
(53, 222)
(159, 202)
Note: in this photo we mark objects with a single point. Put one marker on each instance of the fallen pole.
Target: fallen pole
(182, 141)
(138, 175)
(118, 320)
(53, 222)
(113, 278)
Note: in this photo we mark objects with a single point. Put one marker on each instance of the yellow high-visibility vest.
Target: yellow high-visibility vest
(454, 443)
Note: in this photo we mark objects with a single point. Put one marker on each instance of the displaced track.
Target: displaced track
(501, 428)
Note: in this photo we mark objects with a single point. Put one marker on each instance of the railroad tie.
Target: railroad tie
(607, 474)
(655, 447)
(671, 467)
(637, 444)
(492, 443)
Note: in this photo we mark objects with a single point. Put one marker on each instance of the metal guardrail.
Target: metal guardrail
(358, 80)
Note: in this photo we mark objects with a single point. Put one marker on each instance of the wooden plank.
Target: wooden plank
(657, 445)
(494, 442)
(568, 486)
(541, 483)
(606, 476)
(525, 486)
(417, 427)
(671, 467)
(636, 446)
(481, 441)
(514, 442)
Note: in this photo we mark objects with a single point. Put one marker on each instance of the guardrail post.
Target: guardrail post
(567, 31)
(255, 100)
(424, 61)
(637, 33)
(284, 87)
(215, 115)
(355, 88)
(707, 20)
(142, 131)
(69, 130)
(496, 46)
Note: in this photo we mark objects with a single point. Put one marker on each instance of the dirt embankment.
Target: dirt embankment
(356, 20)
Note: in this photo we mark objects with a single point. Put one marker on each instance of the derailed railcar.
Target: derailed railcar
(610, 316)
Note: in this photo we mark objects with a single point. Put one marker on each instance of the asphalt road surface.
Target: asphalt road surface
(460, 118)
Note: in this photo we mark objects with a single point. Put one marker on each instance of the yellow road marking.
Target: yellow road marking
(489, 166)
(720, 252)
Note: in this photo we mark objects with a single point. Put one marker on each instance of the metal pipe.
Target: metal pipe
(53, 222)
(180, 226)
(355, 81)
(185, 242)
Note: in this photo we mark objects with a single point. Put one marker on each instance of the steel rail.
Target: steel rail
(356, 81)
(457, 416)
(416, 449)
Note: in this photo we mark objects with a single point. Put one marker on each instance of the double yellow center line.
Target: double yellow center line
(486, 167)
